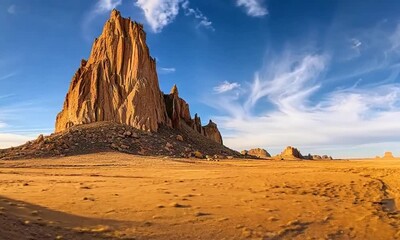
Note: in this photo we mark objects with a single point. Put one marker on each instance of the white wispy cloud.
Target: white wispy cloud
(164, 70)
(196, 13)
(303, 116)
(12, 9)
(254, 8)
(104, 6)
(355, 43)
(10, 113)
(6, 76)
(101, 7)
(226, 86)
(12, 140)
(159, 13)
(394, 39)
(351, 49)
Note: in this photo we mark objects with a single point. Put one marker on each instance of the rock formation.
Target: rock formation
(291, 152)
(119, 83)
(211, 131)
(317, 157)
(257, 152)
(388, 155)
(110, 136)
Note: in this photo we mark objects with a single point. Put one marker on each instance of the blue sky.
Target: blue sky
(321, 75)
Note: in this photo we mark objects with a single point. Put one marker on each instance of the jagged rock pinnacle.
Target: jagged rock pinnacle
(174, 90)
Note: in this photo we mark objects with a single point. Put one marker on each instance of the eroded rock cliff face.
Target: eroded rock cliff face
(119, 83)
(179, 113)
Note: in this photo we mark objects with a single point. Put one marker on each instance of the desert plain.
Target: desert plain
(122, 196)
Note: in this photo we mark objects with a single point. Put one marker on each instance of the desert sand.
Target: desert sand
(120, 196)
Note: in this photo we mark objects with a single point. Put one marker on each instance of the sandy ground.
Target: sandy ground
(117, 196)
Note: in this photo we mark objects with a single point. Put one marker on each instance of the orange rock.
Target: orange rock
(258, 152)
(211, 131)
(388, 155)
(119, 83)
(291, 152)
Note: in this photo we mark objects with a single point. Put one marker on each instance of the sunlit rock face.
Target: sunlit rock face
(119, 83)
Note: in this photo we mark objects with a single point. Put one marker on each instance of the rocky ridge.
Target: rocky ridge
(292, 153)
(111, 136)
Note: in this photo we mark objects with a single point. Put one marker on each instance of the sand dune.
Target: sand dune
(118, 196)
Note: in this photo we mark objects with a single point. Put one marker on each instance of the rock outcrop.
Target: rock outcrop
(110, 136)
(291, 152)
(211, 132)
(317, 157)
(257, 152)
(388, 155)
(119, 83)
(177, 108)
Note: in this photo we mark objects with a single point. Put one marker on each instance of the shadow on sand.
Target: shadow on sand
(21, 220)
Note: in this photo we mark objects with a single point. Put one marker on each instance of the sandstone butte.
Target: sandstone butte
(291, 152)
(257, 152)
(119, 83)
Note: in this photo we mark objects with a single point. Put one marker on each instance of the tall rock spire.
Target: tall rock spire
(117, 83)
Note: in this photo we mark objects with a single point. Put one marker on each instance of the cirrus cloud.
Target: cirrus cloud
(103, 6)
(226, 86)
(159, 13)
(254, 8)
(300, 114)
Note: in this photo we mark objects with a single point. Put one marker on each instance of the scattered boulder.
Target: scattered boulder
(169, 145)
(179, 138)
(198, 154)
(109, 136)
(40, 138)
(127, 133)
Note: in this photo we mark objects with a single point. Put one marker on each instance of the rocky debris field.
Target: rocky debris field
(109, 136)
